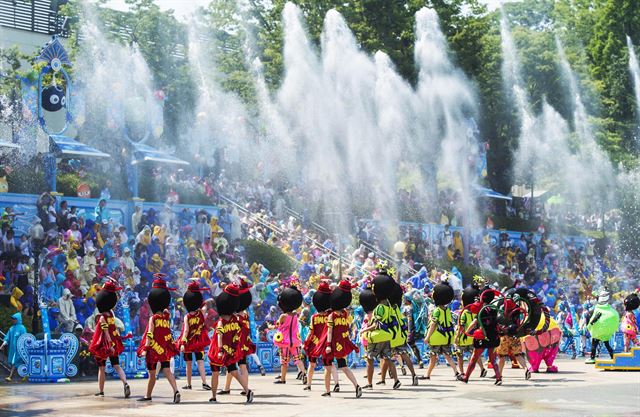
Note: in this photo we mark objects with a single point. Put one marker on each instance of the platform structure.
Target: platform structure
(629, 361)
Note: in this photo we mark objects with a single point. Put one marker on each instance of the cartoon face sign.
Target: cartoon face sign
(84, 191)
(53, 98)
(4, 185)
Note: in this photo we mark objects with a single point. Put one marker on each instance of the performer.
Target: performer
(382, 328)
(318, 325)
(195, 334)
(224, 350)
(416, 315)
(337, 343)
(629, 322)
(538, 331)
(368, 302)
(245, 344)
(565, 320)
(510, 346)
(287, 338)
(399, 346)
(157, 345)
(106, 342)
(485, 334)
(441, 330)
(464, 342)
(603, 325)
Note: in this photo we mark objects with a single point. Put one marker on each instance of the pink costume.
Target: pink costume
(543, 346)
(287, 338)
(629, 325)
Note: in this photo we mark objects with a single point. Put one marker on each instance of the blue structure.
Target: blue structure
(52, 98)
(629, 361)
(47, 360)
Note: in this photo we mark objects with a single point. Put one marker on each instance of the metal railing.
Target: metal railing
(378, 253)
(274, 227)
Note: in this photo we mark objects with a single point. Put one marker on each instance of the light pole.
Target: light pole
(398, 249)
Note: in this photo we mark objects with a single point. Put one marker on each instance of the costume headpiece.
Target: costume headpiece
(322, 297)
(289, 299)
(341, 295)
(368, 300)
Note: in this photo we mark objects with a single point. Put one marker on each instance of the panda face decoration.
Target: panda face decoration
(53, 98)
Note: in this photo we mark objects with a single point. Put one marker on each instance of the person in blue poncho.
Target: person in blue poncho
(11, 340)
(101, 212)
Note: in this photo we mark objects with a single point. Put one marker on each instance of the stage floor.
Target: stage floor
(578, 390)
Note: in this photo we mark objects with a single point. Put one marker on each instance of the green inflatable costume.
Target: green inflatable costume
(604, 322)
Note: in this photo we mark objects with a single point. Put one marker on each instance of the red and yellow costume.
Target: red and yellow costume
(161, 347)
(196, 339)
(101, 347)
(226, 353)
(317, 328)
(246, 346)
(339, 324)
(106, 341)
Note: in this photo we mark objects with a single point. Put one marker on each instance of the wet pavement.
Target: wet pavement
(578, 390)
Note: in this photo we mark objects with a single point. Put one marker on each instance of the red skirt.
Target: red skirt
(246, 345)
(342, 348)
(319, 349)
(222, 357)
(309, 348)
(102, 349)
(195, 344)
(158, 352)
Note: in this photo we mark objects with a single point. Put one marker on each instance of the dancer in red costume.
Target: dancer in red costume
(318, 326)
(106, 342)
(245, 344)
(224, 350)
(485, 334)
(195, 334)
(336, 342)
(157, 344)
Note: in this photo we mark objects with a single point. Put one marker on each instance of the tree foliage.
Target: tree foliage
(593, 33)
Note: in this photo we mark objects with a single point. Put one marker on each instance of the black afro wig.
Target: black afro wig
(226, 303)
(396, 295)
(192, 300)
(159, 299)
(244, 300)
(106, 300)
(289, 299)
(631, 302)
(368, 300)
(442, 294)
(383, 286)
(321, 301)
(340, 298)
(469, 295)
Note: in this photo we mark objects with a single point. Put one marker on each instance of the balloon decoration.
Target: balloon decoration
(53, 98)
(83, 190)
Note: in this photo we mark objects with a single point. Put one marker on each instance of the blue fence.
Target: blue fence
(24, 205)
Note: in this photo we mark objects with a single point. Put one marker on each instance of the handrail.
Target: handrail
(333, 255)
(378, 252)
(384, 255)
(320, 228)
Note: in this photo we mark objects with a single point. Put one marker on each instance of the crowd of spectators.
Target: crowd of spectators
(65, 256)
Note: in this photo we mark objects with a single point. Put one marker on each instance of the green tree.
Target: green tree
(615, 19)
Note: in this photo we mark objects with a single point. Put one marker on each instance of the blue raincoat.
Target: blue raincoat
(11, 338)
